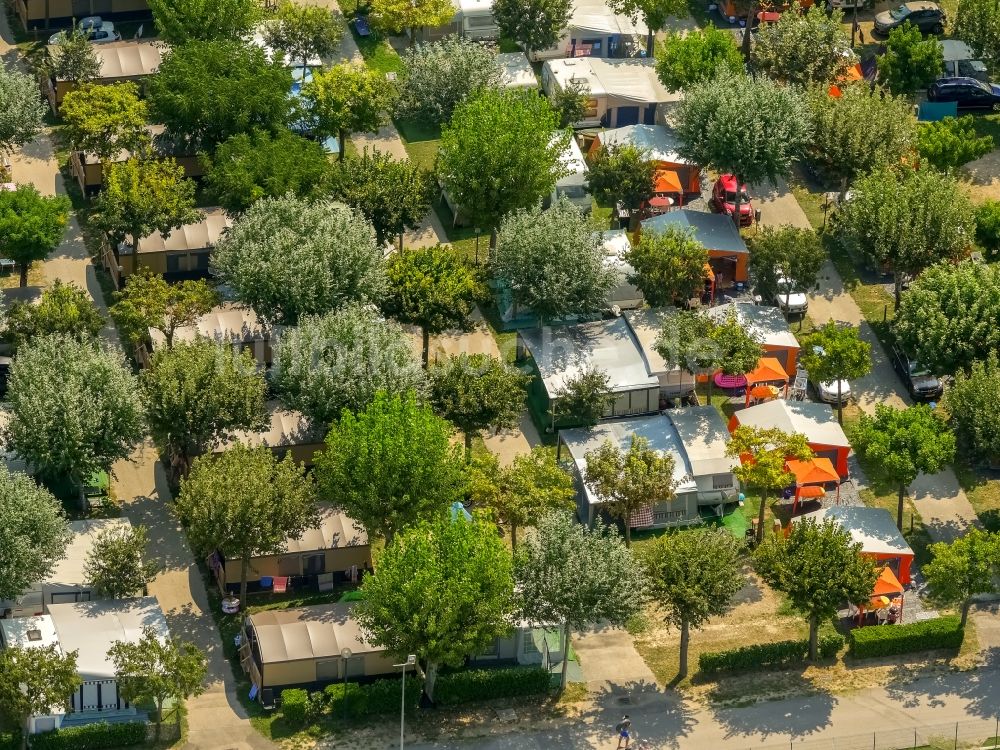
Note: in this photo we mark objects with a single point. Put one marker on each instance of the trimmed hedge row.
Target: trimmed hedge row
(926, 635)
(371, 699)
(474, 685)
(10, 741)
(761, 655)
(97, 736)
(294, 702)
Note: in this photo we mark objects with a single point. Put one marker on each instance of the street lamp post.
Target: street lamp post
(345, 654)
(478, 232)
(410, 661)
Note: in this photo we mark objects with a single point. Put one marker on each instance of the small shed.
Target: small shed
(768, 325)
(727, 252)
(132, 60)
(517, 71)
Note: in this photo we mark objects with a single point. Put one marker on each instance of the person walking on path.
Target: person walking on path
(624, 729)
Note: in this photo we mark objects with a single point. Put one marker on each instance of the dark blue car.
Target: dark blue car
(967, 93)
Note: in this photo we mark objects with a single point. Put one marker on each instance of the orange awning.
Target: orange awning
(816, 470)
(887, 584)
(667, 181)
(768, 370)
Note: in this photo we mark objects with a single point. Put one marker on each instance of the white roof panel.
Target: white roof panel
(767, 323)
(517, 71)
(816, 421)
(657, 141)
(874, 528)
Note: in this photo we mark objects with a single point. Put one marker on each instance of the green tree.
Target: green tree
(575, 576)
(804, 47)
(498, 155)
(21, 117)
(63, 308)
(104, 120)
(738, 350)
(33, 536)
(32, 225)
(836, 353)
(154, 670)
(73, 59)
(75, 409)
(33, 680)
(533, 24)
(371, 469)
(141, 197)
(349, 98)
(654, 13)
(767, 449)
(207, 91)
(477, 392)
(693, 576)
(570, 103)
(552, 262)
(684, 341)
(117, 565)
(288, 257)
(949, 143)
(244, 503)
(910, 62)
(977, 23)
(683, 59)
(303, 32)
(790, 253)
(198, 395)
(583, 398)
(818, 568)
(963, 568)
(519, 495)
(179, 22)
(972, 401)
(148, 302)
(442, 590)
(988, 226)
(908, 220)
(411, 16)
(621, 174)
(394, 195)
(251, 166)
(902, 443)
(629, 481)
(669, 266)
(340, 361)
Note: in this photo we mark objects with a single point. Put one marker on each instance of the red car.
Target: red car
(724, 199)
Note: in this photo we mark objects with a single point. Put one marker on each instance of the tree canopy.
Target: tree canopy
(669, 266)
(533, 24)
(909, 62)
(304, 32)
(683, 59)
(654, 13)
(972, 401)
(33, 680)
(32, 225)
(395, 16)
(104, 120)
(181, 21)
(349, 98)
(73, 59)
(583, 398)
(961, 569)
(62, 308)
(788, 252)
(21, 117)
(685, 341)
(977, 23)
(149, 302)
(117, 564)
(738, 349)
(804, 47)
(621, 174)
(836, 352)
(949, 143)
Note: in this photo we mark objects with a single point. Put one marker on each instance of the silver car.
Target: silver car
(96, 31)
(828, 392)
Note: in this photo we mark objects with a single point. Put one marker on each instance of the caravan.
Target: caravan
(594, 30)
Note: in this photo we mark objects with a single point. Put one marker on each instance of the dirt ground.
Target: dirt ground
(984, 177)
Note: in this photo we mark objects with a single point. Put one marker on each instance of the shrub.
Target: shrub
(940, 633)
(371, 699)
(91, 737)
(764, 655)
(294, 705)
(482, 684)
(988, 226)
(10, 741)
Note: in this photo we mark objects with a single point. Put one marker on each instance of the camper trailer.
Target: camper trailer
(594, 30)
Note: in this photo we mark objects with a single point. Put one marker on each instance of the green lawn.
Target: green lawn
(421, 141)
(377, 53)
(983, 491)
(988, 125)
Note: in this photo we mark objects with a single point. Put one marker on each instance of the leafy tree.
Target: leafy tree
(738, 349)
(750, 128)
(33, 680)
(575, 576)
(179, 22)
(75, 408)
(412, 16)
(147, 301)
(340, 361)
(949, 143)
(518, 495)
(835, 353)
(534, 24)
(988, 226)
(818, 568)
(197, 395)
(371, 469)
(552, 262)
(693, 576)
(104, 120)
(570, 103)
(685, 341)
(349, 98)
(767, 449)
(498, 155)
(21, 117)
(787, 252)
(977, 23)
(621, 174)
(442, 590)
(288, 257)
(32, 225)
(583, 398)
(804, 47)
(910, 62)
(908, 220)
(629, 481)
(683, 59)
(33, 536)
(654, 13)
(117, 565)
(251, 166)
(902, 443)
(669, 266)
(73, 59)
(477, 392)
(859, 130)
(972, 401)
(303, 32)
(394, 195)
(154, 670)
(207, 91)
(441, 75)
(63, 308)
(141, 197)
(244, 503)
(963, 568)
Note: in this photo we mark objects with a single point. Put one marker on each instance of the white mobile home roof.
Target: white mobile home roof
(646, 324)
(704, 437)
(317, 632)
(517, 71)
(816, 421)
(68, 572)
(594, 16)
(201, 235)
(658, 141)
(629, 80)
(571, 160)
(28, 632)
(874, 528)
(767, 323)
(226, 323)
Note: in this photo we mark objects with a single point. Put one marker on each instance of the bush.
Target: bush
(765, 655)
(379, 697)
(988, 226)
(940, 633)
(473, 685)
(92, 737)
(294, 705)
(10, 741)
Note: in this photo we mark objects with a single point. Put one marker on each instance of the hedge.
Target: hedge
(473, 685)
(926, 635)
(371, 699)
(92, 737)
(294, 702)
(779, 654)
(10, 741)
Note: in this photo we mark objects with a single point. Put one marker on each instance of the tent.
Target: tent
(810, 476)
(768, 372)
(888, 591)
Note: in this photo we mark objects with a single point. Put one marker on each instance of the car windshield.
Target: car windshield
(731, 196)
(918, 371)
(901, 12)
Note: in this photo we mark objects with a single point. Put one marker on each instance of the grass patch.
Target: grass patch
(377, 53)
(983, 491)
(988, 125)
(574, 693)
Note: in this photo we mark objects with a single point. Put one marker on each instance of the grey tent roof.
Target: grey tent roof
(874, 528)
(768, 323)
(318, 632)
(646, 324)
(816, 421)
(226, 323)
(334, 531)
(713, 231)
(704, 437)
(658, 141)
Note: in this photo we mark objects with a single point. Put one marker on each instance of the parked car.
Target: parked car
(918, 380)
(790, 298)
(928, 17)
(100, 33)
(832, 5)
(826, 392)
(967, 93)
(723, 199)
(960, 62)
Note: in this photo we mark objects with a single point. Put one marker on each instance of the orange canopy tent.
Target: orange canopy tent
(667, 181)
(849, 76)
(810, 475)
(768, 372)
(887, 590)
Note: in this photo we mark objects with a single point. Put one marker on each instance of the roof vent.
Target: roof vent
(34, 634)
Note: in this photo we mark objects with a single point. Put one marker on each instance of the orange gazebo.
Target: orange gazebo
(887, 591)
(769, 372)
(810, 477)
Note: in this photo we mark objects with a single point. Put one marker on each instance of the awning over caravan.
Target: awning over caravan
(321, 631)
